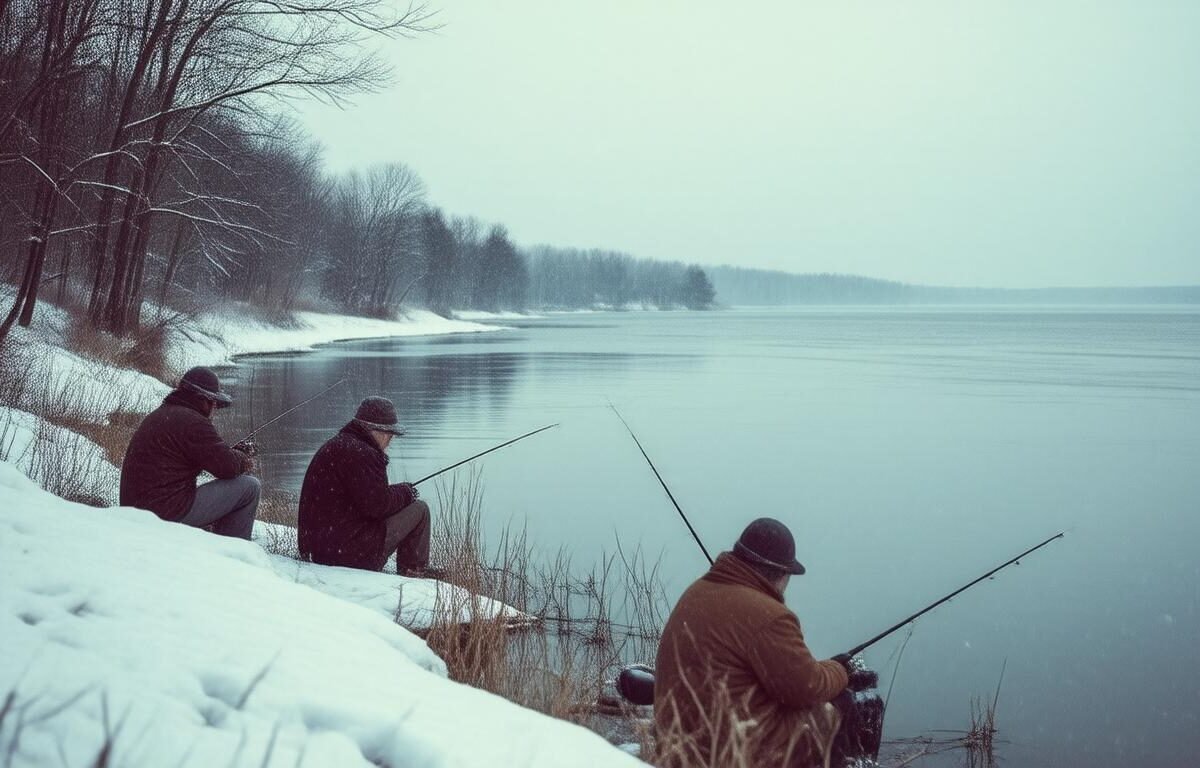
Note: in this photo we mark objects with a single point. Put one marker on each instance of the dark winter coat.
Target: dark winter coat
(169, 450)
(345, 500)
(732, 658)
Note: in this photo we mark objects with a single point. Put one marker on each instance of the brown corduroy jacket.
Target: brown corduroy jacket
(736, 681)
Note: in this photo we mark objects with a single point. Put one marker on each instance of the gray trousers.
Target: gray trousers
(227, 505)
(408, 534)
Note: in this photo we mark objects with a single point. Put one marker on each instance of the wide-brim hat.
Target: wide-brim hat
(378, 414)
(202, 381)
(768, 542)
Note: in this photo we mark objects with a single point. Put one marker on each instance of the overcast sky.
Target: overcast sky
(961, 143)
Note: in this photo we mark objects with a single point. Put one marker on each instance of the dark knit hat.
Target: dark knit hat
(379, 414)
(769, 542)
(202, 381)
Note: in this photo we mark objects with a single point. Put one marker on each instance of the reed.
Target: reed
(584, 625)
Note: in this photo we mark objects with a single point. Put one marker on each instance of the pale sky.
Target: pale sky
(1026, 143)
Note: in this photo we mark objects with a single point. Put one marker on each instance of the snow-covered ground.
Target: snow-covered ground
(165, 645)
(64, 461)
(214, 339)
(479, 315)
(414, 603)
(88, 389)
(125, 640)
(74, 388)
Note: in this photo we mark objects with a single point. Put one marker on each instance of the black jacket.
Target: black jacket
(169, 450)
(345, 500)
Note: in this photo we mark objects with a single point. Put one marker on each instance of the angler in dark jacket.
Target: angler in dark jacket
(736, 683)
(173, 445)
(349, 514)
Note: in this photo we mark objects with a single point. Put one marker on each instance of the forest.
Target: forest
(147, 159)
(739, 286)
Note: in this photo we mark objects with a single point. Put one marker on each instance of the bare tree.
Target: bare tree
(375, 242)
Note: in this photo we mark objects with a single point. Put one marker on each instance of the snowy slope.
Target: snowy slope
(181, 648)
(67, 460)
(214, 339)
(411, 602)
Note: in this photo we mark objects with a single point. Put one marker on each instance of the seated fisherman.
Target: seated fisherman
(349, 514)
(173, 445)
(736, 683)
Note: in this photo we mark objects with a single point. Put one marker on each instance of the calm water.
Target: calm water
(909, 450)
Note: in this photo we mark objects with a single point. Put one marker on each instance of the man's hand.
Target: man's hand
(412, 489)
(247, 446)
(846, 660)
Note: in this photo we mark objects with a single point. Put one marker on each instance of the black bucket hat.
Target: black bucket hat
(204, 382)
(379, 414)
(769, 542)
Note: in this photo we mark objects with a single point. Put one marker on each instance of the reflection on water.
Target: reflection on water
(910, 450)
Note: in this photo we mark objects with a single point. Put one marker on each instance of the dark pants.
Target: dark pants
(228, 506)
(408, 534)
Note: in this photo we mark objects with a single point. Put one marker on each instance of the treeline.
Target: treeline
(139, 151)
(569, 278)
(738, 286)
(143, 162)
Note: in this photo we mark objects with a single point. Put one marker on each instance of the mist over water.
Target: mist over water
(910, 450)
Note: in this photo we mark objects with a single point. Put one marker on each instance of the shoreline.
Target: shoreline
(64, 411)
(56, 391)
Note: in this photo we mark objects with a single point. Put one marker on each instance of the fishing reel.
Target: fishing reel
(247, 445)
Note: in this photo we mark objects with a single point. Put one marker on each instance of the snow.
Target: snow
(58, 382)
(180, 648)
(216, 338)
(475, 314)
(56, 457)
(87, 389)
(412, 602)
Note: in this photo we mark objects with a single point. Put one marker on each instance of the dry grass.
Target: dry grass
(144, 350)
(67, 413)
(586, 626)
(113, 436)
(279, 507)
(978, 742)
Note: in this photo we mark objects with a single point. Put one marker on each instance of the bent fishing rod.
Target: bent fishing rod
(863, 646)
(663, 483)
(248, 440)
(484, 453)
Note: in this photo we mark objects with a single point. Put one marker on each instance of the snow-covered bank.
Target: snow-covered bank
(215, 339)
(480, 315)
(57, 458)
(186, 649)
(414, 603)
(73, 389)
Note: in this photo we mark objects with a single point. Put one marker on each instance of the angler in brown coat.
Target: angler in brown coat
(173, 445)
(349, 514)
(735, 679)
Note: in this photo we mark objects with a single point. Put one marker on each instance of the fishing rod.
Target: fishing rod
(663, 483)
(247, 444)
(863, 646)
(484, 453)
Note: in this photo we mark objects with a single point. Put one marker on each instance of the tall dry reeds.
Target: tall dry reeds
(66, 428)
(145, 349)
(582, 627)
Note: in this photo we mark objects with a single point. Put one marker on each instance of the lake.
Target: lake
(910, 450)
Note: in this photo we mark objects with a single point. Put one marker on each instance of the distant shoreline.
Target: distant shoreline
(736, 286)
